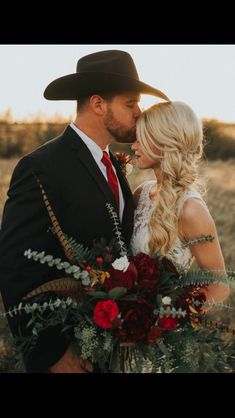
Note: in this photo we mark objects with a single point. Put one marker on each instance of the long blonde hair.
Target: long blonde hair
(175, 129)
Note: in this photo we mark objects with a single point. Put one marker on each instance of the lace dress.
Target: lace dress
(179, 254)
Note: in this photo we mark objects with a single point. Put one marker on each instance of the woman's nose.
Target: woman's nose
(133, 146)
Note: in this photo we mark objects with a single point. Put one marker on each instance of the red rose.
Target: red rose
(120, 278)
(104, 313)
(168, 323)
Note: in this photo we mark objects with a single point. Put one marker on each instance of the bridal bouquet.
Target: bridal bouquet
(127, 313)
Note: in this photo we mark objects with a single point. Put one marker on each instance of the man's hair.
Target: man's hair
(83, 101)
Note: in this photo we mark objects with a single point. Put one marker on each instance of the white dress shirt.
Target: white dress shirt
(97, 154)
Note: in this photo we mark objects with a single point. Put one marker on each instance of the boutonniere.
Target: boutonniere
(124, 162)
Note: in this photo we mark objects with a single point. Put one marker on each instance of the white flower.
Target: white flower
(166, 300)
(129, 168)
(121, 263)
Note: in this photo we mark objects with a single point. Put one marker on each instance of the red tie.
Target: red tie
(112, 178)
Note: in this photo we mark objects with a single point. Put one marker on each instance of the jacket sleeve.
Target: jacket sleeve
(25, 225)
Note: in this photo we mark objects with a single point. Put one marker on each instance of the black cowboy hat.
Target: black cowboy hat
(104, 71)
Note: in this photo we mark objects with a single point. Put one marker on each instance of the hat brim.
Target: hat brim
(78, 85)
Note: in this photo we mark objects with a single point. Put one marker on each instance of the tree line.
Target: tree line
(20, 138)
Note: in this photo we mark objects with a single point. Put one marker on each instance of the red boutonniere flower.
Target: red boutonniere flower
(125, 163)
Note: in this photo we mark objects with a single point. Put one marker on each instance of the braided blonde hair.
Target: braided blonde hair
(175, 129)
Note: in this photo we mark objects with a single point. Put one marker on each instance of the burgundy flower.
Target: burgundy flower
(120, 278)
(187, 299)
(137, 321)
(148, 272)
(154, 335)
(105, 312)
(147, 267)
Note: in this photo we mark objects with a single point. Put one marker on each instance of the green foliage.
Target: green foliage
(117, 229)
(79, 250)
(206, 277)
(117, 292)
(185, 351)
(202, 351)
(182, 351)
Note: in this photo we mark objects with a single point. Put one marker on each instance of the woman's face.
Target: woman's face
(143, 161)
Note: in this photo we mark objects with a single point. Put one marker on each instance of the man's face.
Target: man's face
(121, 116)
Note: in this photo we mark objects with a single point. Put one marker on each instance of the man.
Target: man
(79, 178)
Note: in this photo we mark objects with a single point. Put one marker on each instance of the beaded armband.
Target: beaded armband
(203, 238)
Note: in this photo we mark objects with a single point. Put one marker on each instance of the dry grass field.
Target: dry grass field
(220, 198)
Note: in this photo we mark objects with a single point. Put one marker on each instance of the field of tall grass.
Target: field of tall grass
(220, 176)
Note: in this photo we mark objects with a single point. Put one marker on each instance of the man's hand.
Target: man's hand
(71, 363)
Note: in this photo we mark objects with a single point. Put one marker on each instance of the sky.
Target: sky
(203, 76)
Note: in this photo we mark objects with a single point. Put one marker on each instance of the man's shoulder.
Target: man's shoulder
(49, 146)
(47, 155)
(51, 149)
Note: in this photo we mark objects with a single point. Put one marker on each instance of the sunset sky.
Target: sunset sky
(203, 76)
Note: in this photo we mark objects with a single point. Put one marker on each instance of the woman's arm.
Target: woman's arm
(196, 221)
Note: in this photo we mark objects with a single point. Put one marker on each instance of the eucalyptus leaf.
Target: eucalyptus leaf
(159, 300)
(99, 295)
(163, 348)
(117, 292)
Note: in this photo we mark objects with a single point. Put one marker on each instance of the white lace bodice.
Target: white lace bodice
(179, 253)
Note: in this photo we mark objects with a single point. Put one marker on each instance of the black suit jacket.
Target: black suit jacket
(77, 192)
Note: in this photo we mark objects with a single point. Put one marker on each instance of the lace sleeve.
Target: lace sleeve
(137, 193)
(142, 211)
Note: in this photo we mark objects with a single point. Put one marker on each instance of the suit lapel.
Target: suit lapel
(88, 161)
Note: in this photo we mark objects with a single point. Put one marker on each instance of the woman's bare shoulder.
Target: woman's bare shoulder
(196, 218)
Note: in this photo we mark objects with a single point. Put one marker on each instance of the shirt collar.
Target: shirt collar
(95, 150)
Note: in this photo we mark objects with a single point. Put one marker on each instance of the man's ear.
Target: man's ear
(98, 105)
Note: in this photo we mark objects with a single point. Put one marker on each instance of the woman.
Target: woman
(170, 210)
